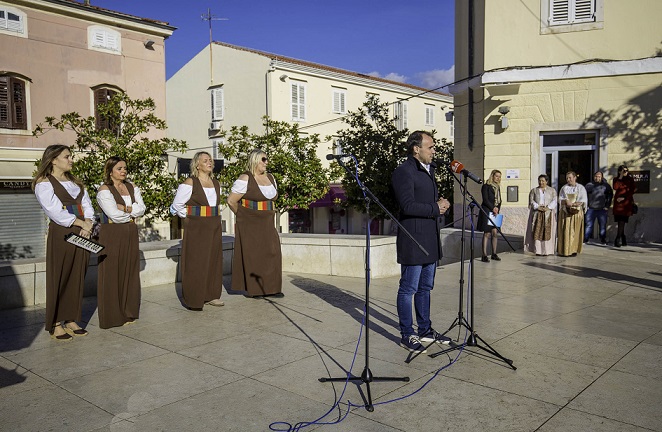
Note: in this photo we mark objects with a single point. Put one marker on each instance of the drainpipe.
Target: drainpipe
(470, 142)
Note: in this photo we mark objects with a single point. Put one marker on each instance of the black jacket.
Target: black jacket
(416, 192)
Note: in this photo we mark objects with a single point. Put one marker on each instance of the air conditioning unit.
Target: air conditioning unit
(215, 125)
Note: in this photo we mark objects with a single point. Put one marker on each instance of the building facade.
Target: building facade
(56, 57)
(237, 86)
(549, 86)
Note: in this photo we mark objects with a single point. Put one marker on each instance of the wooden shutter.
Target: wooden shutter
(102, 96)
(19, 107)
(5, 109)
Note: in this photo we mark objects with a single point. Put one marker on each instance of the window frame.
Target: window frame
(22, 29)
(93, 33)
(340, 95)
(401, 114)
(298, 100)
(103, 93)
(217, 113)
(548, 26)
(429, 115)
(13, 111)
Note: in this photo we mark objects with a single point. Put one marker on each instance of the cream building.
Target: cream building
(556, 85)
(56, 57)
(236, 86)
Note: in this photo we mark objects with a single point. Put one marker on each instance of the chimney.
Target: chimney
(86, 2)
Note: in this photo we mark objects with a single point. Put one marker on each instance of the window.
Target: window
(339, 96)
(215, 154)
(217, 105)
(13, 107)
(400, 114)
(560, 16)
(104, 39)
(102, 96)
(298, 101)
(12, 21)
(429, 115)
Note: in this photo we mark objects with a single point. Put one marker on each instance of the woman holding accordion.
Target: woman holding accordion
(65, 201)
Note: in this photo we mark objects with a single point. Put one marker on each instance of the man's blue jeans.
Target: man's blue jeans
(415, 281)
(591, 215)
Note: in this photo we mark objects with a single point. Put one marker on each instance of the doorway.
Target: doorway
(569, 151)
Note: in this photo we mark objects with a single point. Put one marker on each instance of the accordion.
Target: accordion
(83, 243)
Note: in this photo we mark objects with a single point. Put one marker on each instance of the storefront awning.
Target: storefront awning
(336, 192)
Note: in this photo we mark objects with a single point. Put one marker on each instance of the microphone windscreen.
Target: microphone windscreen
(456, 166)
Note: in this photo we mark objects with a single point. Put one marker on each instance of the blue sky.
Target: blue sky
(405, 40)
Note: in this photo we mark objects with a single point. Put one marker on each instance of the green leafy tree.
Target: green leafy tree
(379, 147)
(293, 162)
(124, 124)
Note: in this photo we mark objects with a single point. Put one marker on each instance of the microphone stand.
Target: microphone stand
(460, 320)
(367, 376)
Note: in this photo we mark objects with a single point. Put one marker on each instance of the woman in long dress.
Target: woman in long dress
(491, 193)
(257, 264)
(197, 202)
(118, 285)
(624, 190)
(65, 201)
(541, 228)
(573, 204)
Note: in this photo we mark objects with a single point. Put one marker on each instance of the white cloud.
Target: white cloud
(391, 77)
(436, 78)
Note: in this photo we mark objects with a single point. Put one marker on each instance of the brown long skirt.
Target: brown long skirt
(258, 263)
(66, 266)
(118, 286)
(202, 260)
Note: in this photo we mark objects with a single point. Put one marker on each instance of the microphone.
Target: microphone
(458, 167)
(340, 156)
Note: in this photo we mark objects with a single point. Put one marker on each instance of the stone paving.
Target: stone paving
(585, 334)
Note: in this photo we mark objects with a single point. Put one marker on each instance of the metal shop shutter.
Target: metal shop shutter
(23, 226)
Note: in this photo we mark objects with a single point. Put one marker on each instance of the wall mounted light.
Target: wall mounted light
(449, 115)
(504, 110)
(283, 77)
(504, 120)
(149, 44)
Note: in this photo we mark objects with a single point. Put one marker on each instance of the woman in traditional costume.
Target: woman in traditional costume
(118, 285)
(573, 204)
(257, 264)
(624, 190)
(198, 202)
(65, 201)
(491, 193)
(541, 228)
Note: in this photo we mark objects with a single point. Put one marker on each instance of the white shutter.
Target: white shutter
(584, 11)
(559, 12)
(429, 115)
(404, 115)
(111, 42)
(298, 101)
(302, 102)
(295, 100)
(14, 22)
(3, 20)
(339, 101)
(99, 39)
(217, 104)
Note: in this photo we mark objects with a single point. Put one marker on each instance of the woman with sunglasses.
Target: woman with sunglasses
(624, 190)
(65, 201)
(197, 202)
(257, 264)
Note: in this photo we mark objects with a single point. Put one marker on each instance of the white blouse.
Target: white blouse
(241, 186)
(182, 196)
(106, 201)
(53, 206)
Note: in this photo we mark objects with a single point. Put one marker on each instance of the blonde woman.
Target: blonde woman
(257, 264)
(65, 201)
(118, 285)
(491, 193)
(198, 202)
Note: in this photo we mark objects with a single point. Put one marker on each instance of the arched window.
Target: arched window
(12, 21)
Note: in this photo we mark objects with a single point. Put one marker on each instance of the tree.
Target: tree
(125, 123)
(379, 147)
(293, 162)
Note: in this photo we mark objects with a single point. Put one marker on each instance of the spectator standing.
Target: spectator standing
(599, 195)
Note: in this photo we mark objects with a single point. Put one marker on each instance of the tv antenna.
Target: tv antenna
(209, 18)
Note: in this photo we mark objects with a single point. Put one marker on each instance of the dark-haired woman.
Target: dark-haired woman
(257, 264)
(624, 190)
(541, 230)
(197, 202)
(65, 201)
(118, 285)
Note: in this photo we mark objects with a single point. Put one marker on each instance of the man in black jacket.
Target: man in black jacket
(420, 211)
(599, 200)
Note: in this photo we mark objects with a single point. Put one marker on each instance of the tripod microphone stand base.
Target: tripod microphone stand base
(365, 378)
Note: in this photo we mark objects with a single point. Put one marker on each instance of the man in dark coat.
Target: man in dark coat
(420, 212)
(599, 200)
